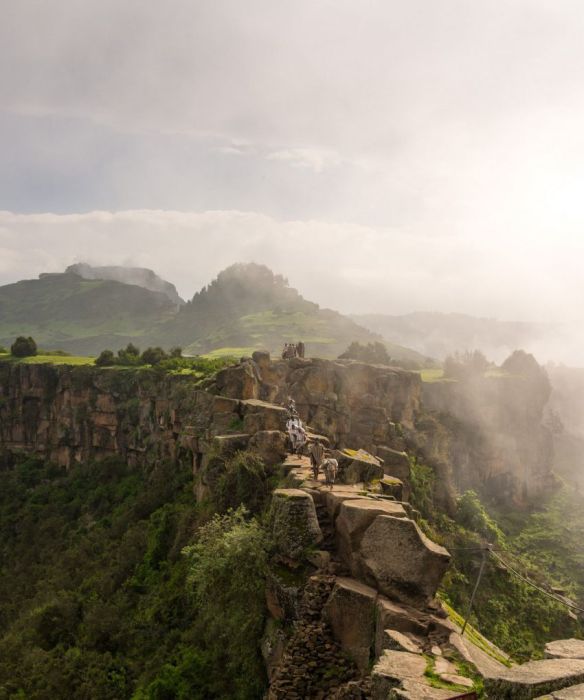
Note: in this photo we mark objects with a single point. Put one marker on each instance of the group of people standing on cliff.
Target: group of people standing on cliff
(298, 440)
(292, 350)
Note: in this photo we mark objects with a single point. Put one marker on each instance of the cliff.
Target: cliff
(488, 433)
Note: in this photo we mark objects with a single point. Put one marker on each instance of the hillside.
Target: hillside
(64, 311)
(248, 306)
(139, 276)
(244, 308)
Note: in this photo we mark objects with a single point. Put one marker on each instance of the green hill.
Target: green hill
(246, 307)
(64, 311)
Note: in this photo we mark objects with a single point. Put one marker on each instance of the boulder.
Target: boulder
(270, 445)
(535, 678)
(398, 641)
(350, 611)
(395, 463)
(398, 618)
(355, 517)
(338, 495)
(294, 523)
(394, 667)
(390, 486)
(565, 649)
(357, 466)
(261, 415)
(400, 561)
(239, 382)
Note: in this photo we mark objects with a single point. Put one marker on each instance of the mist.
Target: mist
(384, 158)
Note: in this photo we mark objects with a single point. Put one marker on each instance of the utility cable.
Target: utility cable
(573, 606)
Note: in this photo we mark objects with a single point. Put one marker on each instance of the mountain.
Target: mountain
(248, 306)
(139, 276)
(440, 334)
(65, 311)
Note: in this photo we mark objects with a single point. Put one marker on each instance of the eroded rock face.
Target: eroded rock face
(401, 561)
(294, 523)
(350, 611)
(352, 403)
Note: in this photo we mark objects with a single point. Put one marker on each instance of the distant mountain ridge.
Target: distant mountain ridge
(139, 276)
(440, 334)
(246, 307)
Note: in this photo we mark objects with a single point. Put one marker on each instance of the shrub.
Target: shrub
(24, 347)
(471, 514)
(175, 352)
(375, 353)
(227, 568)
(130, 355)
(105, 359)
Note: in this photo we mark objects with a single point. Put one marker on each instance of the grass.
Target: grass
(229, 352)
(431, 376)
(49, 359)
(474, 636)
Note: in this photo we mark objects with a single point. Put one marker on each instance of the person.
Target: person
(300, 349)
(330, 467)
(316, 456)
(300, 438)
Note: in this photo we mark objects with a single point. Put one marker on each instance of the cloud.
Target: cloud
(346, 266)
(312, 158)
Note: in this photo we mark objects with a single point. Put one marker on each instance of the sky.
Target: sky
(384, 156)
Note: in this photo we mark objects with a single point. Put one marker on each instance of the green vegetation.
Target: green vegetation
(97, 600)
(375, 353)
(50, 359)
(23, 347)
(542, 545)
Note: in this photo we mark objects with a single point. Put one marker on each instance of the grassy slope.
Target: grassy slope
(65, 311)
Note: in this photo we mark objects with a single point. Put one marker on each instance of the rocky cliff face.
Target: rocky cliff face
(76, 414)
(488, 434)
(352, 403)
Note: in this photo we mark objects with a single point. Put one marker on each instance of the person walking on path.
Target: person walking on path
(330, 467)
(316, 456)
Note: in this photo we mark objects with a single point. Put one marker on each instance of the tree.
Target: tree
(176, 352)
(106, 359)
(153, 356)
(130, 355)
(465, 365)
(375, 353)
(23, 347)
(227, 569)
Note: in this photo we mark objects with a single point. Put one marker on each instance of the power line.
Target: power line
(562, 601)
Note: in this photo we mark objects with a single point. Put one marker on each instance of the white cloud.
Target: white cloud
(313, 158)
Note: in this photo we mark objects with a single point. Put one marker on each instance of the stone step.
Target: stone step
(574, 692)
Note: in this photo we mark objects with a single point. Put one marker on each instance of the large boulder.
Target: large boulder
(261, 415)
(270, 445)
(350, 611)
(535, 678)
(400, 561)
(400, 674)
(294, 523)
(355, 517)
(358, 466)
(395, 463)
(565, 649)
(400, 618)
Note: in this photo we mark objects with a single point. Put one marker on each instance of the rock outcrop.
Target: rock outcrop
(293, 522)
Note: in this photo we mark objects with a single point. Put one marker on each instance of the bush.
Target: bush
(130, 355)
(106, 359)
(471, 514)
(153, 356)
(175, 352)
(227, 574)
(244, 482)
(465, 365)
(375, 353)
(24, 347)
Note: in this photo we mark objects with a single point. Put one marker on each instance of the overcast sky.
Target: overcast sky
(385, 156)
